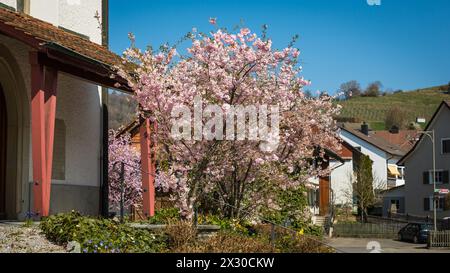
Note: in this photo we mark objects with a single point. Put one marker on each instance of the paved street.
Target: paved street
(358, 245)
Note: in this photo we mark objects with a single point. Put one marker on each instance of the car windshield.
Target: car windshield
(426, 227)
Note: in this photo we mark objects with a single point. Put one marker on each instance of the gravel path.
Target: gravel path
(15, 238)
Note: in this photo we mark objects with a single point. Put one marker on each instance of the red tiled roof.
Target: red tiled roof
(405, 139)
(393, 144)
(44, 32)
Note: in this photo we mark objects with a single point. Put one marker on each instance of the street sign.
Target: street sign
(442, 191)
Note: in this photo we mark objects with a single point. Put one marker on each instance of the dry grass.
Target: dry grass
(182, 239)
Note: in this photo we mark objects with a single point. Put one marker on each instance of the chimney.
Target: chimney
(365, 128)
(395, 130)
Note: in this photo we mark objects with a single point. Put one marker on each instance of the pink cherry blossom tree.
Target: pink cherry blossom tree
(231, 69)
(121, 151)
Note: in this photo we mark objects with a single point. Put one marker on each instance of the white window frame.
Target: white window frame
(430, 177)
(442, 145)
(401, 170)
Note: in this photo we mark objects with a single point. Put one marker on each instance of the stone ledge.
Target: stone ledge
(200, 228)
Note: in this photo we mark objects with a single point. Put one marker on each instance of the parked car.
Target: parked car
(415, 232)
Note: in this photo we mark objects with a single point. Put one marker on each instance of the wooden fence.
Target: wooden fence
(367, 230)
(439, 239)
(443, 224)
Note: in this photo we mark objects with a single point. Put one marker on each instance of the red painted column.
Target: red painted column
(43, 112)
(148, 161)
(50, 85)
(38, 137)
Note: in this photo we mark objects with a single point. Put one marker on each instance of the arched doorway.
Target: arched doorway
(3, 134)
(14, 139)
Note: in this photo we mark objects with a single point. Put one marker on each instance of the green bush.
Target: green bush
(235, 225)
(101, 235)
(232, 238)
(231, 242)
(292, 213)
(182, 239)
(291, 241)
(164, 216)
(108, 236)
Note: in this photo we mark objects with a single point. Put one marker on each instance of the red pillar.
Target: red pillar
(148, 161)
(50, 85)
(43, 108)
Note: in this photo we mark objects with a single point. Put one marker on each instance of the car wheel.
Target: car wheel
(400, 237)
(415, 240)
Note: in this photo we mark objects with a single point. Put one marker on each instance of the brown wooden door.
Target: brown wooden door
(3, 128)
(324, 202)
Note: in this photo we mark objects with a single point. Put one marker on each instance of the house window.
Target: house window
(313, 198)
(442, 177)
(311, 195)
(59, 151)
(402, 173)
(439, 177)
(446, 146)
(395, 204)
(441, 204)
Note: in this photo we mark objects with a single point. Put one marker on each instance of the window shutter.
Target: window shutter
(426, 204)
(447, 203)
(446, 146)
(426, 178)
(445, 177)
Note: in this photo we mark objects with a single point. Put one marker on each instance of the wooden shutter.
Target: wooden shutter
(446, 146)
(447, 203)
(445, 177)
(426, 204)
(426, 178)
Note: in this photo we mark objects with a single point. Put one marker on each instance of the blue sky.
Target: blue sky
(405, 44)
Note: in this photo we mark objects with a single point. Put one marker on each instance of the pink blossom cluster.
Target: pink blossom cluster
(231, 69)
(121, 151)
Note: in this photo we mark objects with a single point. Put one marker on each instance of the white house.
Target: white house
(336, 188)
(55, 68)
(385, 149)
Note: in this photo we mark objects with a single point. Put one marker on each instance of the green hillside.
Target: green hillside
(418, 103)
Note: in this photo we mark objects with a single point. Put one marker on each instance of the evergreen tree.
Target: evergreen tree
(363, 188)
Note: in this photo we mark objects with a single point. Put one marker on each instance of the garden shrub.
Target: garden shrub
(293, 203)
(292, 241)
(182, 240)
(164, 216)
(180, 233)
(236, 225)
(224, 242)
(108, 236)
(231, 242)
(100, 235)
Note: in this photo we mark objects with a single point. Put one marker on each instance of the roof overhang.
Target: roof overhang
(393, 189)
(333, 155)
(391, 153)
(68, 61)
